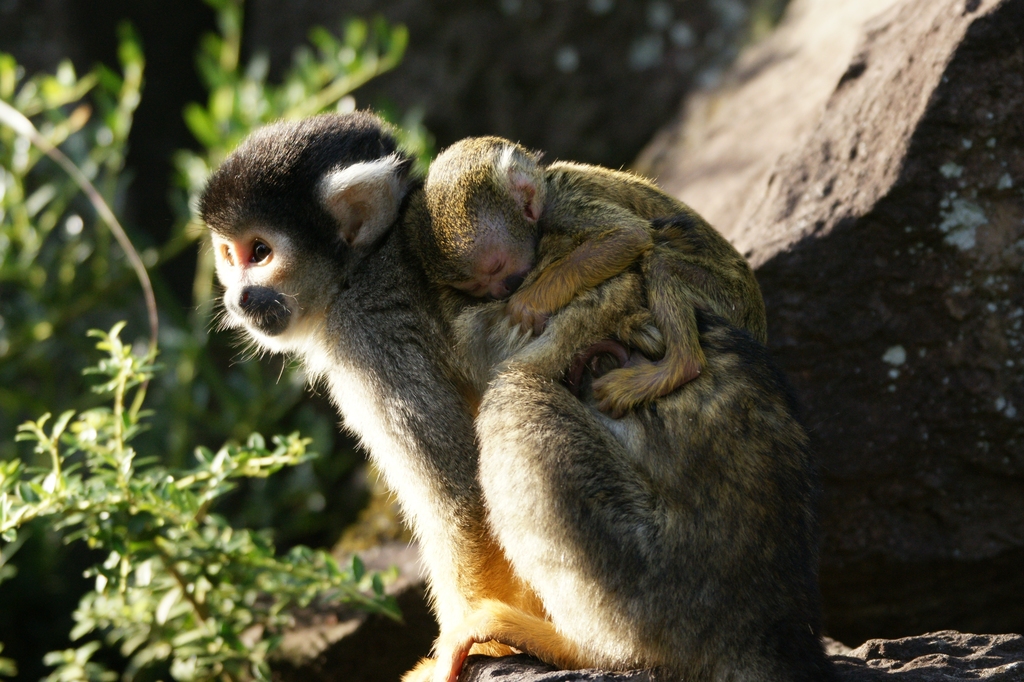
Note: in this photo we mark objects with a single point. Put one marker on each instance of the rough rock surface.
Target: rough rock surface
(590, 80)
(940, 656)
(869, 159)
(937, 657)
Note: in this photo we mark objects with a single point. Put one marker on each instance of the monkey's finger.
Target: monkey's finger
(518, 316)
(581, 362)
(613, 401)
(612, 409)
(532, 322)
(521, 325)
(623, 389)
(450, 659)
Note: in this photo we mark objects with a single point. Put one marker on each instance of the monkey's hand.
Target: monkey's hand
(640, 382)
(525, 311)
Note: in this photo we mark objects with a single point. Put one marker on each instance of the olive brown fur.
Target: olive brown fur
(493, 205)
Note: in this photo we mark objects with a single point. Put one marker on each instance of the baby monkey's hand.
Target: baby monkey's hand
(640, 383)
(525, 311)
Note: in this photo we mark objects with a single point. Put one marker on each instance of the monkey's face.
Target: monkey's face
(270, 288)
(485, 196)
(290, 211)
(500, 259)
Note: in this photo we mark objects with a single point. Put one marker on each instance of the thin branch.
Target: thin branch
(24, 127)
(167, 560)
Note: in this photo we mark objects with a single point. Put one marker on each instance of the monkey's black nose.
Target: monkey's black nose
(513, 282)
(265, 309)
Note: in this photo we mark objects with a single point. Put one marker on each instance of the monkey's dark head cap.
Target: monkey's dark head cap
(271, 178)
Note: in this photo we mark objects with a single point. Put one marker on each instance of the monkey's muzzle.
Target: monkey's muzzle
(265, 309)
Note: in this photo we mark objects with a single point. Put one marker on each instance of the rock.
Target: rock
(332, 645)
(937, 657)
(526, 669)
(589, 80)
(868, 158)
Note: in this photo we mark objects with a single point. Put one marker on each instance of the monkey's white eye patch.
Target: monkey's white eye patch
(364, 197)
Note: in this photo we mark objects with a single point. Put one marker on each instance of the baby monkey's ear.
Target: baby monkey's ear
(364, 198)
(522, 172)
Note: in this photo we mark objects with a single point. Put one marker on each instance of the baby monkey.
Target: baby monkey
(505, 226)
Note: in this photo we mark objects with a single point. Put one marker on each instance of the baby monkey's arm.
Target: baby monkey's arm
(602, 244)
(573, 260)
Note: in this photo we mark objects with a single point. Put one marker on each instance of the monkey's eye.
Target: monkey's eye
(260, 252)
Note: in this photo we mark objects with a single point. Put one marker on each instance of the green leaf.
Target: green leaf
(8, 668)
(167, 602)
(61, 424)
(129, 48)
(201, 125)
(256, 442)
(83, 626)
(222, 104)
(356, 32)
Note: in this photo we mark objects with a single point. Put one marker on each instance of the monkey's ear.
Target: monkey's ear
(528, 195)
(364, 198)
(525, 183)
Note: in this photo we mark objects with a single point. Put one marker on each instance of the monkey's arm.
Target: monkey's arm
(691, 266)
(673, 297)
(606, 239)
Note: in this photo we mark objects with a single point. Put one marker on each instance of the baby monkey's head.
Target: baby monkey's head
(485, 196)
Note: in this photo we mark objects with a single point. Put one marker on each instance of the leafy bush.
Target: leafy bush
(178, 583)
(54, 266)
(61, 274)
